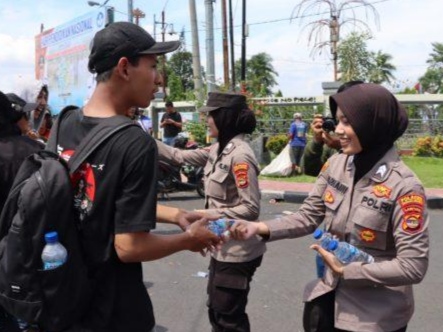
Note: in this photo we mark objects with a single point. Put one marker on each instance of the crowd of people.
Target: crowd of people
(360, 166)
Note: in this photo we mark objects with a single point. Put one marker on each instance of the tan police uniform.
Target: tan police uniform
(231, 188)
(385, 215)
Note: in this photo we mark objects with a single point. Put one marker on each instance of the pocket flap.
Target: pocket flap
(369, 218)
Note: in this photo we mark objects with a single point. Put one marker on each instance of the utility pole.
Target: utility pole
(210, 66)
(130, 11)
(196, 67)
(231, 40)
(243, 49)
(138, 14)
(225, 45)
(165, 77)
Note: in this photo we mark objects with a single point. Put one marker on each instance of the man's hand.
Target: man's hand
(316, 127)
(186, 218)
(331, 140)
(330, 260)
(201, 237)
(243, 230)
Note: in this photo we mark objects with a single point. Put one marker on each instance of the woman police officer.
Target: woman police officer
(366, 196)
(231, 189)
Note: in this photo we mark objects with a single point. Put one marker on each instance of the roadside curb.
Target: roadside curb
(297, 197)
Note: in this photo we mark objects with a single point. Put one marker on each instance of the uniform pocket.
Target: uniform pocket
(370, 228)
(333, 200)
(217, 186)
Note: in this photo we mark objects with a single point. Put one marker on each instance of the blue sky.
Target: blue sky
(406, 30)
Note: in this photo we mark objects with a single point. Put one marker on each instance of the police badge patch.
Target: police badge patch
(241, 175)
(412, 206)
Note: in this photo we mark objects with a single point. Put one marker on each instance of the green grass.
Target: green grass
(429, 171)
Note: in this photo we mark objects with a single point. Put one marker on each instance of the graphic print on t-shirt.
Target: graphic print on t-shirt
(83, 183)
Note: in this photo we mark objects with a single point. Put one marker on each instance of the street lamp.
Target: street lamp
(109, 10)
(94, 3)
(130, 8)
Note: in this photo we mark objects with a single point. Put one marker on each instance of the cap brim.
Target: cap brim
(29, 107)
(206, 109)
(162, 47)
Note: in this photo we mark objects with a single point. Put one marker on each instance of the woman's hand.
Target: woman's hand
(329, 258)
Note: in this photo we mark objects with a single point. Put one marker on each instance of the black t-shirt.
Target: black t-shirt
(13, 150)
(170, 130)
(114, 193)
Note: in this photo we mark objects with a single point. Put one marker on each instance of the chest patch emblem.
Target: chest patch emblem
(367, 235)
(241, 175)
(382, 190)
(412, 206)
(329, 197)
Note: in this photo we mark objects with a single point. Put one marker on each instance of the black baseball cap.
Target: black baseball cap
(218, 100)
(13, 108)
(123, 39)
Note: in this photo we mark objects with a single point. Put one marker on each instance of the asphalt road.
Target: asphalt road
(179, 293)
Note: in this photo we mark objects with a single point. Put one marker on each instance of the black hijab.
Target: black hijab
(377, 118)
(231, 122)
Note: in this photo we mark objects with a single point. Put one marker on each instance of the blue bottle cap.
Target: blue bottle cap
(333, 245)
(51, 237)
(318, 233)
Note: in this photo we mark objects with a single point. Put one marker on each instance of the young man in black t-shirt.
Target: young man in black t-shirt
(115, 190)
(171, 122)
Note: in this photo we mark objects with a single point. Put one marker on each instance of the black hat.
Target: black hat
(169, 103)
(123, 39)
(218, 100)
(20, 104)
(11, 110)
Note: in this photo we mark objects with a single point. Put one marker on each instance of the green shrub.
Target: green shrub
(197, 130)
(429, 146)
(437, 146)
(276, 144)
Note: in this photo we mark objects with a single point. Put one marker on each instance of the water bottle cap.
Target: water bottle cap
(333, 245)
(51, 237)
(318, 233)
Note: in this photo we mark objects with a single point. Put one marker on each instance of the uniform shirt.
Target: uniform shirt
(170, 130)
(231, 189)
(298, 131)
(114, 193)
(384, 214)
(13, 150)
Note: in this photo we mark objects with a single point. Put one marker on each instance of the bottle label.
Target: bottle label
(52, 265)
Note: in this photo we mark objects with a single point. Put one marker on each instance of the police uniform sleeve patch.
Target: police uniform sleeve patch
(412, 206)
(325, 166)
(241, 175)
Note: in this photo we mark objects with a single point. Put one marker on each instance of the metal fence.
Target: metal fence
(417, 128)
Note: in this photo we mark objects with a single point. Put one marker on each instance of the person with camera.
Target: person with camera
(324, 142)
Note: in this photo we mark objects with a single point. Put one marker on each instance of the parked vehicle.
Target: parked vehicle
(172, 178)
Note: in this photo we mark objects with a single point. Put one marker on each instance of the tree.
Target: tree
(432, 80)
(180, 67)
(260, 74)
(356, 62)
(332, 24)
(354, 58)
(380, 70)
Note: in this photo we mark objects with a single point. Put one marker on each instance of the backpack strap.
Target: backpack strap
(99, 134)
(53, 139)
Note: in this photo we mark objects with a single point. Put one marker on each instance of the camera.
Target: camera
(328, 124)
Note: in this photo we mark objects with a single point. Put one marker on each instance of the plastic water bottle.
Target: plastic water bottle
(347, 253)
(54, 254)
(220, 226)
(323, 239)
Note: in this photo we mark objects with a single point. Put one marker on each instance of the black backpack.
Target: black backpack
(40, 201)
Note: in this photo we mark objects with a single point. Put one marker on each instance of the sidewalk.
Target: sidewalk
(294, 192)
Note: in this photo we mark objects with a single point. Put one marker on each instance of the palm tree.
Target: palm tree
(381, 68)
(332, 24)
(260, 74)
